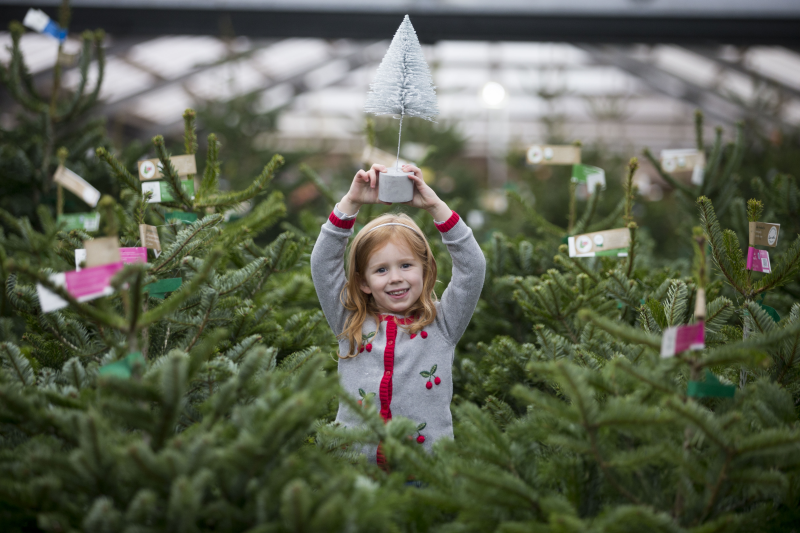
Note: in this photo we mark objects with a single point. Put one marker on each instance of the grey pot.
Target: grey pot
(395, 186)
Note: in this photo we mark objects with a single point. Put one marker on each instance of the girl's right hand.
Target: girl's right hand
(364, 189)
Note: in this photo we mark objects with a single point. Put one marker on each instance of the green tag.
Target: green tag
(771, 312)
(589, 175)
(84, 221)
(710, 388)
(123, 367)
(180, 216)
(160, 288)
(162, 192)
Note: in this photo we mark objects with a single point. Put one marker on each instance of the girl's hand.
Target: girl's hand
(364, 189)
(424, 197)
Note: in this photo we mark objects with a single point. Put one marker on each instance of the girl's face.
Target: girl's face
(394, 278)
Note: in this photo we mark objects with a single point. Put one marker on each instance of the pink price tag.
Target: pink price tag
(681, 338)
(133, 255)
(758, 260)
(91, 282)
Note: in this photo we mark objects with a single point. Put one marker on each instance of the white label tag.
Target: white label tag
(155, 188)
(48, 300)
(77, 185)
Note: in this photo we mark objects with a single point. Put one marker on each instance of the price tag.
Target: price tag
(612, 242)
(124, 367)
(764, 234)
(710, 388)
(102, 251)
(546, 154)
(149, 237)
(678, 339)
(151, 169)
(160, 288)
(162, 191)
(590, 176)
(685, 160)
(88, 284)
(178, 217)
(758, 260)
(126, 255)
(77, 185)
(38, 21)
(85, 221)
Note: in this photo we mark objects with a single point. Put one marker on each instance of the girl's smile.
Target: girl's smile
(394, 278)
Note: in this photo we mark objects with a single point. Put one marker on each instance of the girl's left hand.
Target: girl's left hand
(424, 197)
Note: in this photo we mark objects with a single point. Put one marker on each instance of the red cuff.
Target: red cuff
(449, 223)
(339, 223)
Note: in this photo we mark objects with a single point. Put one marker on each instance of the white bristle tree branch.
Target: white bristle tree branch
(403, 84)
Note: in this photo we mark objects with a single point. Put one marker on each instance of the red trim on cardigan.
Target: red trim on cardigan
(339, 223)
(388, 370)
(403, 321)
(448, 224)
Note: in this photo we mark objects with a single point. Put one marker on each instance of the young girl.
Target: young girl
(395, 339)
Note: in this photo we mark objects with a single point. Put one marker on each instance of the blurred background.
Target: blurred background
(291, 77)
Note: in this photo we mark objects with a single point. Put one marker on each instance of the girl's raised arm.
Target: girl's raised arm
(327, 258)
(327, 266)
(469, 265)
(469, 269)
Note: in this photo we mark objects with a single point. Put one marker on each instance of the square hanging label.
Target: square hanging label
(102, 251)
(160, 288)
(149, 237)
(126, 255)
(612, 242)
(710, 388)
(764, 234)
(162, 191)
(590, 176)
(678, 339)
(38, 21)
(84, 221)
(758, 260)
(177, 217)
(88, 284)
(151, 169)
(77, 185)
(543, 154)
(685, 160)
(124, 367)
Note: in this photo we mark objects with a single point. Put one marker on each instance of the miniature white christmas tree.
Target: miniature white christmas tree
(403, 84)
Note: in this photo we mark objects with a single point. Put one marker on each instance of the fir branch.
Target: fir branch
(708, 220)
(172, 303)
(186, 237)
(590, 211)
(189, 132)
(171, 175)
(698, 130)
(100, 55)
(83, 69)
(535, 218)
(783, 271)
(611, 220)
(210, 182)
(233, 198)
(105, 317)
(620, 330)
(630, 190)
(119, 171)
(311, 176)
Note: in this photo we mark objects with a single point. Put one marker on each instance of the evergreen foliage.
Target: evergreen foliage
(567, 417)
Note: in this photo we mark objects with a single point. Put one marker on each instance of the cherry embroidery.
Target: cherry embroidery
(421, 437)
(365, 342)
(423, 334)
(431, 374)
(365, 396)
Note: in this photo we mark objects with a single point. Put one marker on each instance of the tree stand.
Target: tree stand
(395, 186)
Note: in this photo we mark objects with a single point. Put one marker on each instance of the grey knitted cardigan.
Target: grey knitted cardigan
(392, 363)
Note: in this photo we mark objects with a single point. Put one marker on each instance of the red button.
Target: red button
(390, 343)
(388, 372)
